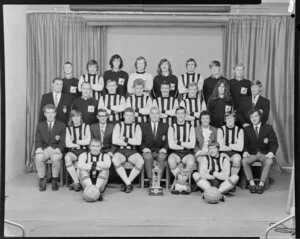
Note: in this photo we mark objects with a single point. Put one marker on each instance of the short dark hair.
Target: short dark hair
(191, 60)
(94, 140)
(180, 108)
(164, 82)
(129, 109)
(253, 110)
(102, 110)
(203, 113)
(214, 63)
(49, 107)
(90, 63)
(230, 113)
(116, 56)
(111, 80)
(56, 78)
(216, 144)
(256, 82)
(68, 63)
(139, 81)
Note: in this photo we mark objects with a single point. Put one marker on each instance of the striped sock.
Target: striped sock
(122, 173)
(135, 171)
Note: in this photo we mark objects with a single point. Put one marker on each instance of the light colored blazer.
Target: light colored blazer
(200, 138)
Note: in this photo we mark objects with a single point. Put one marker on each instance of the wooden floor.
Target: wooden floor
(64, 213)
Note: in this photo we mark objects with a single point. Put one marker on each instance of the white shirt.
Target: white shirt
(52, 123)
(254, 99)
(147, 77)
(206, 132)
(254, 126)
(152, 126)
(58, 97)
(102, 126)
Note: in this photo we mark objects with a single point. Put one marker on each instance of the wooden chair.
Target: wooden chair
(166, 179)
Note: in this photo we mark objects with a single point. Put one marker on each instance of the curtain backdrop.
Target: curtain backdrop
(265, 44)
(53, 39)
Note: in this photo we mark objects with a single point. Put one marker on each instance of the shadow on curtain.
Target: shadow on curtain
(53, 39)
(265, 44)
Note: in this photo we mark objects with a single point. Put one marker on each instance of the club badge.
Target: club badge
(227, 108)
(57, 137)
(163, 137)
(261, 111)
(121, 81)
(65, 109)
(73, 89)
(244, 90)
(266, 140)
(91, 108)
(172, 86)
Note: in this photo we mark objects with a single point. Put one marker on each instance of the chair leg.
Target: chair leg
(167, 176)
(61, 172)
(142, 177)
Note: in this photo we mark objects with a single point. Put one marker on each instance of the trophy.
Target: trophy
(156, 189)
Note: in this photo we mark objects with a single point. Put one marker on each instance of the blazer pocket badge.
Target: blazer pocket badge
(172, 86)
(65, 109)
(57, 137)
(227, 108)
(163, 137)
(244, 90)
(73, 89)
(121, 81)
(266, 140)
(91, 109)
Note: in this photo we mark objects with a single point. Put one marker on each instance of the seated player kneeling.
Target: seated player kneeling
(127, 135)
(215, 171)
(78, 137)
(94, 170)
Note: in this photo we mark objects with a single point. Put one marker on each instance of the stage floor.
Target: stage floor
(64, 213)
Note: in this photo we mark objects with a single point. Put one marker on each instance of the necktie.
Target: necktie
(253, 101)
(256, 131)
(102, 133)
(50, 126)
(55, 99)
(154, 130)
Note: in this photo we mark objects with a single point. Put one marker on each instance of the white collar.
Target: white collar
(254, 126)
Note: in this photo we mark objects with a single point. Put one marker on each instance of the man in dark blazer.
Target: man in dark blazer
(61, 101)
(49, 143)
(255, 100)
(103, 131)
(260, 144)
(154, 142)
(205, 134)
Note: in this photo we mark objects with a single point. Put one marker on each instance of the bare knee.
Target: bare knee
(39, 158)
(236, 159)
(268, 162)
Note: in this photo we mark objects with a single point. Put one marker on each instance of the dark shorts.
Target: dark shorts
(230, 153)
(127, 152)
(215, 182)
(183, 153)
(77, 152)
(94, 176)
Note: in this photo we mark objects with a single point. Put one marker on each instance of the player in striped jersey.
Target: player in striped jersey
(167, 104)
(94, 167)
(127, 135)
(231, 140)
(140, 102)
(215, 171)
(193, 104)
(114, 103)
(96, 81)
(78, 137)
(182, 139)
(140, 66)
(189, 77)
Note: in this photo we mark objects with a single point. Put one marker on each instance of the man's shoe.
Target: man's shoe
(49, 180)
(260, 189)
(77, 187)
(123, 187)
(54, 184)
(104, 188)
(222, 199)
(252, 188)
(233, 190)
(130, 187)
(100, 197)
(147, 184)
(176, 192)
(71, 186)
(184, 192)
(42, 184)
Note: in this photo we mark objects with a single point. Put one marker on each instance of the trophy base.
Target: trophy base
(156, 191)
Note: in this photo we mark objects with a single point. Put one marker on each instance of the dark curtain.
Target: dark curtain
(53, 39)
(265, 45)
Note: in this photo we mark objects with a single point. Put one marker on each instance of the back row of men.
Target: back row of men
(115, 91)
(218, 152)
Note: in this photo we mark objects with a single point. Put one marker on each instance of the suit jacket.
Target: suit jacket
(245, 105)
(154, 143)
(107, 145)
(200, 138)
(265, 143)
(63, 108)
(55, 138)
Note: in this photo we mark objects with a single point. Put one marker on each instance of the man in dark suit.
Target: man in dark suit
(154, 142)
(50, 143)
(61, 101)
(255, 100)
(260, 144)
(103, 131)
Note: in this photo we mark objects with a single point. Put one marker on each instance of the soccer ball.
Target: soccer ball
(91, 193)
(212, 195)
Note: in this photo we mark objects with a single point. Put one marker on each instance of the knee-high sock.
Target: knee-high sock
(201, 182)
(72, 172)
(55, 168)
(101, 181)
(86, 181)
(135, 171)
(122, 173)
(235, 169)
(229, 184)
